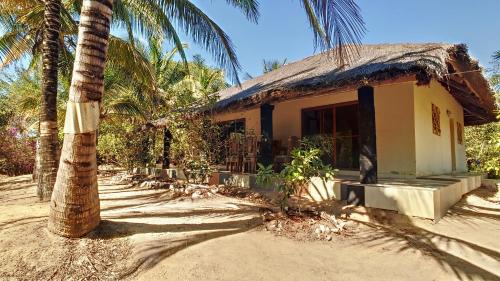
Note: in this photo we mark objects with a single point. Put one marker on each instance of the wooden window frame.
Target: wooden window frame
(334, 107)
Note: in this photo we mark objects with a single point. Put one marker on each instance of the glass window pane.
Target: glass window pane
(347, 120)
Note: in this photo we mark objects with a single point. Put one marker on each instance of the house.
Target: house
(395, 112)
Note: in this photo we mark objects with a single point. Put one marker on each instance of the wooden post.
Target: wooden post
(167, 139)
(367, 136)
(266, 128)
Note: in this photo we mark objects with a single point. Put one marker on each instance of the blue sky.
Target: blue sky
(283, 32)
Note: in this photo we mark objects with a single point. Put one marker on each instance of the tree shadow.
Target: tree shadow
(169, 238)
(22, 221)
(426, 242)
(468, 260)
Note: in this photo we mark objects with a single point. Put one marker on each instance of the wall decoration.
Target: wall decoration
(436, 120)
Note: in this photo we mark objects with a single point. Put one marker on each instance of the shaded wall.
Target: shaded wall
(251, 116)
(395, 126)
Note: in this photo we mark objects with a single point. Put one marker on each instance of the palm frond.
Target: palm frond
(125, 106)
(336, 24)
(13, 45)
(249, 7)
(150, 19)
(124, 55)
(205, 32)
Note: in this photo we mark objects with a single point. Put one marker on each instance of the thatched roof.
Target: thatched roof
(375, 63)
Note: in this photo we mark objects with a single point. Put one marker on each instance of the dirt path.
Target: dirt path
(147, 235)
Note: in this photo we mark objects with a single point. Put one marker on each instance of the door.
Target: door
(452, 146)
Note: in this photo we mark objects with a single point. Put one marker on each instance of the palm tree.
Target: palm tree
(75, 202)
(48, 150)
(74, 208)
(34, 28)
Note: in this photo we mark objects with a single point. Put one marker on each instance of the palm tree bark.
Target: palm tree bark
(74, 208)
(48, 154)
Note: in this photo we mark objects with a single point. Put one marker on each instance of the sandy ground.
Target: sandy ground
(147, 235)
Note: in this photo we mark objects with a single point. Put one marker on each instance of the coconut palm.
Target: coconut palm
(75, 202)
(74, 208)
(48, 149)
(34, 28)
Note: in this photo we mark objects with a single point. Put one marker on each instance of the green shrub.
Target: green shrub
(305, 164)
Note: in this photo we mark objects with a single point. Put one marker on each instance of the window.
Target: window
(335, 128)
(436, 120)
(460, 133)
(226, 128)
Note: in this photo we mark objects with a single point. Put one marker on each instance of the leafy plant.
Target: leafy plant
(266, 176)
(197, 170)
(306, 164)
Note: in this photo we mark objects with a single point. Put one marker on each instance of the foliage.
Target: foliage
(483, 142)
(483, 148)
(197, 169)
(120, 144)
(496, 56)
(266, 176)
(17, 155)
(5, 112)
(270, 65)
(306, 164)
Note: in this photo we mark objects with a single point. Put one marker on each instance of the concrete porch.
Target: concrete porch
(427, 197)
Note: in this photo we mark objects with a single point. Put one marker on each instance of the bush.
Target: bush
(124, 144)
(306, 163)
(483, 149)
(17, 153)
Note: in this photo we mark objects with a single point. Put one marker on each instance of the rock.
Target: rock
(327, 230)
(197, 195)
(341, 225)
(317, 231)
(328, 238)
(322, 228)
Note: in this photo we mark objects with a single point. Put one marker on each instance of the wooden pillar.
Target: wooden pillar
(167, 139)
(266, 128)
(367, 136)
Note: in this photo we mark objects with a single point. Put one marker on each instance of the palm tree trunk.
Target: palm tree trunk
(48, 112)
(74, 208)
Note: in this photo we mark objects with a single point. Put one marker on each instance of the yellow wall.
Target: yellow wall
(287, 115)
(433, 152)
(251, 116)
(394, 122)
(406, 146)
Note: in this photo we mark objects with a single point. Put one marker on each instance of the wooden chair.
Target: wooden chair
(234, 156)
(250, 154)
(293, 142)
(285, 153)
